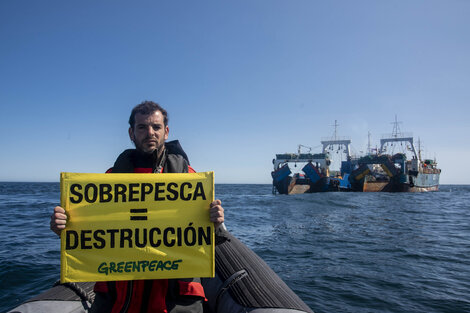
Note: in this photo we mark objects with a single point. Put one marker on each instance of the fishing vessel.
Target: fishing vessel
(404, 171)
(381, 169)
(315, 174)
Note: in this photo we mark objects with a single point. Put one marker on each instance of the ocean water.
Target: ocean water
(340, 252)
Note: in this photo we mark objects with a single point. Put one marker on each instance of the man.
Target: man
(149, 131)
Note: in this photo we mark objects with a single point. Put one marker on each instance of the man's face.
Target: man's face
(149, 132)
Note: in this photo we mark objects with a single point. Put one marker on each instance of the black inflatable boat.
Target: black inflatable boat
(243, 283)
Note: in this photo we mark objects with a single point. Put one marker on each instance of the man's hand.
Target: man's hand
(59, 219)
(216, 213)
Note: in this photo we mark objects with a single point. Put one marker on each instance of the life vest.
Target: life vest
(134, 161)
(145, 296)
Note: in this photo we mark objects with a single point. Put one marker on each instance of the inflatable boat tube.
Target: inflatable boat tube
(243, 283)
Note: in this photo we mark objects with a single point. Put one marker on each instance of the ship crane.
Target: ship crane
(302, 146)
(340, 143)
(331, 143)
(398, 137)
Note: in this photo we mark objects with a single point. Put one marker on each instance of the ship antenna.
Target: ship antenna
(419, 148)
(336, 126)
(396, 128)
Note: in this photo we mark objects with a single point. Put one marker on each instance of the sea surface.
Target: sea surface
(340, 252)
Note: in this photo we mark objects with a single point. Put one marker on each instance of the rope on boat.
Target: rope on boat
(79, 291)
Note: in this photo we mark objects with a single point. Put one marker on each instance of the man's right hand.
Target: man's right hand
(58, 220)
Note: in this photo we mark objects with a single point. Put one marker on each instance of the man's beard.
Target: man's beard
(141, 147)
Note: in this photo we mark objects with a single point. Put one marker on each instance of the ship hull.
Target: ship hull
(292, 186)
(423, 182)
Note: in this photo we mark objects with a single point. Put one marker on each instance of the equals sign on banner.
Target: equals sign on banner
(138, 214)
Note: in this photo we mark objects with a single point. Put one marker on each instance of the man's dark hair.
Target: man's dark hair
(146, 108)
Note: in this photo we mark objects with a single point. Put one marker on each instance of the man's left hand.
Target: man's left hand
(216, 213)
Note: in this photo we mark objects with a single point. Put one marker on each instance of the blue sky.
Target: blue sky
(242, 80)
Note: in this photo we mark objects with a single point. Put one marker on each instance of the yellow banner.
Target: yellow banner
(136, 226)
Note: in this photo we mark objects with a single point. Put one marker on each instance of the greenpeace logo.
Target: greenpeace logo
(138, 266)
